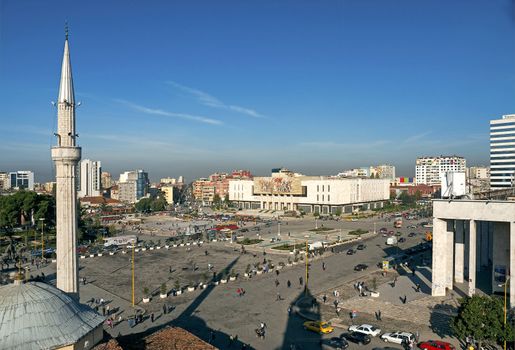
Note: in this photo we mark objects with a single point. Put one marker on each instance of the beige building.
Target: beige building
(106, 180)
(285, 190)
(4, 181)
(168, 192)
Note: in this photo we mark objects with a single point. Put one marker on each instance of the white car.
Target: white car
(366, 329)
(398, 337)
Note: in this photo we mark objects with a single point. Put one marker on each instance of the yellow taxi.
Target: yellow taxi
(318, 326)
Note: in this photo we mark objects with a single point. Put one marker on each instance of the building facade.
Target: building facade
(168, 193)
(106, 180)
(22, 179)
(502, 152)
(217, 184)
(4, 181)
(471, 236)
(430, 169)
(133, 186)
(89, 178)
(285, 190)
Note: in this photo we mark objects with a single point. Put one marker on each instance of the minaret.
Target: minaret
(66, 155)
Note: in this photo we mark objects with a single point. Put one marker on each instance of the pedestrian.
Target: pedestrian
(231, 339)
(276, 283)
(379, 315)
(404, 300)
(277, 272)
(152, 317)
(323, 266)
(301, 281)
(288, 283)
(103, 310)
(164, 309)
(418, 287)
(338, 311)
(413, 271)
(278, 298)
(335, 303)
(211, 337)
(108, 310)
(324, 298)
(170, 269)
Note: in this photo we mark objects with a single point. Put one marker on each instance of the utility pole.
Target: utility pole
(133, 245)
(307, 273)
(42, 238)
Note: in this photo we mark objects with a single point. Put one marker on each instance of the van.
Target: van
(391, 240)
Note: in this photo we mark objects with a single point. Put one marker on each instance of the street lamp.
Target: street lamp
(505, 285)
(42, 238)
(316, 222)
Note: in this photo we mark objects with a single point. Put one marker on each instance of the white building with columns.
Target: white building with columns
(472, 237)
(285, 190)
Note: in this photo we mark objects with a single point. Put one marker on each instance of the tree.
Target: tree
(143, 205)
(481, 317)
(227, 202)
(338, 212)
(216, 200)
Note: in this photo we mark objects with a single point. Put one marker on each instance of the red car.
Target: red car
(435, 345)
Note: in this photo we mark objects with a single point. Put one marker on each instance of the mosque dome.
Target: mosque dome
(39, 316)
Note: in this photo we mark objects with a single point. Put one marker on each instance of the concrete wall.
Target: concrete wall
(501, 258)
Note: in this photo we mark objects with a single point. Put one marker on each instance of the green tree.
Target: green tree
(143, 205)
(227, 202)
(338, 212)
(217, 200)
(481, 317)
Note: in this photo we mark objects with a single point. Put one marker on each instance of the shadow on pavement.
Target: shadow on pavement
(190, 322)
(440, 320)
(304, 308)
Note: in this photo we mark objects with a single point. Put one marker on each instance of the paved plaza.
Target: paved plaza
(219, 308)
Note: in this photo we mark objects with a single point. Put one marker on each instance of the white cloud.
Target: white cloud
(211, 101)
(164, 113)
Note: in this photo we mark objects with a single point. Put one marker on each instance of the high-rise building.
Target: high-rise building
(89, 178)
(384, 171)
(429, 169)
(502, 152)
(106, 180)
(22, 179)
(4, 181)
(133, 186)
(168, 181)
(478, 172)
(168, 192)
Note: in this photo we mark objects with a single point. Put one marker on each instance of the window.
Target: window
(328, 197)
(322, 188)
(318, 197)
(328, 188)
(318, 189)
(322, 198)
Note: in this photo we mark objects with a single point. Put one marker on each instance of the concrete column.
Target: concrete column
(472, 257)
(459, 251)
(511, 282)
(449, 254)
(442, 269)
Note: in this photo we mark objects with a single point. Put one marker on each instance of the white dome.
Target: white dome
(39, 316)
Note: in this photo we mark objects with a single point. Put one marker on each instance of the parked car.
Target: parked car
(383, 230)
(361, 247)
(435, 345)
(351, 252)
(365, 329)
(401, 240)
(357, 337)
(244, 230)
(398, 337)
(334, 343)
(412, 234)
(318, 326)
(360, 267)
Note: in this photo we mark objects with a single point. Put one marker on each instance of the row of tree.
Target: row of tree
(23, 207)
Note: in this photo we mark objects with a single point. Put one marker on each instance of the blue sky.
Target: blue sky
(193, 87)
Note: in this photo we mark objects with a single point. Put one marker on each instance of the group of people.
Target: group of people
(361, 288)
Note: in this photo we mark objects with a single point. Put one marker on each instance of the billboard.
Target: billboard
(277, 185)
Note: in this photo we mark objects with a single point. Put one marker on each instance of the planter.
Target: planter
(223, 281)
(178, 292)
(146, 300)
(83, 257)
(91, 255)
(232, 278)
(111, 253)
(246, 274)
(158, 247)
(216, 283)
(182, 244)
(167, 246)
(374, 294)
(54, 260)
(204, 286)
(175, 246)
(136, 250)
(188, 243)
(100, 254)
(295, 263)
(259, 272)
(151, 248)
(289, 264)
(201, 242)
(279, 267)
(214, 240)
(163, 296)
(191, 289)
(143, 249)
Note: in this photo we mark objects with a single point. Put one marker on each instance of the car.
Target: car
(357, 337)
(390, 233)
(365, 329)
(351, 251)
(398, 337)
(386, 348)
(334, 343)
(412, 234)
(244, 230)
(383, 230)
(435, 345)
(360, 267)
(318, 327)
(401, 240)
(361, 247)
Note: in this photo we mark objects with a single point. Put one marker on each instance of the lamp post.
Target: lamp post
(505, 285)
(132, 274)
(316, 222)
(42, 238)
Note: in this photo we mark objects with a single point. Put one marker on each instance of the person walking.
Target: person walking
(324, 298)
(301, 280)
(323, 266)
(277, 272)
(164, 309)
(276, 283)
(211, 337)
(278, 298)
(288, 283)
(379, 315)
(103, 310)
(418, 288)
(152, 317)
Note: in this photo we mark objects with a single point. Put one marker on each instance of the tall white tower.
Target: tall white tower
(66, 155)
